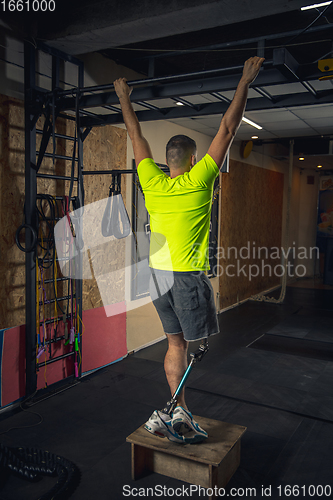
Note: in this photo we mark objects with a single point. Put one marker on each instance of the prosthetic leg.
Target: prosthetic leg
(195, 356)
(174, 422)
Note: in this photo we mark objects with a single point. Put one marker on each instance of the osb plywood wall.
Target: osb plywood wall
(104, 149)
(12, 271)
(251, 219)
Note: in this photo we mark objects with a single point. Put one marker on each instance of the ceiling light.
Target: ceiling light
(315, 5)
(301, 158)
(255, 125)
(254, 137)
(319, 166)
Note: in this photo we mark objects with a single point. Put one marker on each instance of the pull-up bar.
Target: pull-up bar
(160, 79)
(117, 172)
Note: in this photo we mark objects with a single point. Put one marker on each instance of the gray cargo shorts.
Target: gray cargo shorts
(185, 303)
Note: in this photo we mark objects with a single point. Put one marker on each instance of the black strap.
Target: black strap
(73, 169)
(47, 130)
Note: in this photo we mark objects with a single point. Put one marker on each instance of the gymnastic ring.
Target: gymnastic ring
(34, 238)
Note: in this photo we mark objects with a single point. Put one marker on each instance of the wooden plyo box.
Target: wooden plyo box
(208, 464)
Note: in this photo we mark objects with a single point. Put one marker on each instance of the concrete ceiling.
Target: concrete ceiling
(179, 36)
(78, 27)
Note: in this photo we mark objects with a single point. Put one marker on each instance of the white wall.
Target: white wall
(98, 69)
(11, 75)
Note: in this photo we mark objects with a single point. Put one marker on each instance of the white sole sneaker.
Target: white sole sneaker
(159, 424)
(184, 425)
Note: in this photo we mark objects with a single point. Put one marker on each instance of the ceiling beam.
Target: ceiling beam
(254, 104)
(267, 77)
(281, 70)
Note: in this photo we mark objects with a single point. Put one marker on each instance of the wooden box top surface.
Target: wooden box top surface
(222, 436)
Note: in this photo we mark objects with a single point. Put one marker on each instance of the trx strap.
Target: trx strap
(78, 201)
(48, 129)
(115, 220)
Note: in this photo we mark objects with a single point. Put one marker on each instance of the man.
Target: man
(179, 208)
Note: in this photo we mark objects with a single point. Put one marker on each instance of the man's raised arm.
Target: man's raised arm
(140, 145)
(232, 118)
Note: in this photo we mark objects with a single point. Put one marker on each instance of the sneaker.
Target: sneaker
(183, 424)
(159, 424)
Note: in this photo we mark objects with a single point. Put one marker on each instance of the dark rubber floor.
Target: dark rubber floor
(271, 370)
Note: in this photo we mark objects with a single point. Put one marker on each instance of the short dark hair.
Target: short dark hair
(178, 150)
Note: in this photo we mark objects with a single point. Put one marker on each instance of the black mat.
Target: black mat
(283, 397)
(296, 346)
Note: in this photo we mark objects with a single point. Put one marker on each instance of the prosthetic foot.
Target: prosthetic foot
(183, 423)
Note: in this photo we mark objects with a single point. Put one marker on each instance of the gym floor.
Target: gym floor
(270, 370)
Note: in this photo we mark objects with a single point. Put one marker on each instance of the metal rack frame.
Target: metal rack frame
(35, 106)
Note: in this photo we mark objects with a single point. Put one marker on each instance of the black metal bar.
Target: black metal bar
(85, 134)
(220, 97)
(58, 157)
(51, 176)
(184, 102)
(49, 219)
(162, 79)
(35, 119)
(52, 301)
(57, 279)
(289, 100)
(78, 281)
(58, 358)
(309, 88)
(60, 259)
(58, 136)
(30, 218)
(149, 106)
(271, 76)
(60, 198)
(49, 321)
(264, 93)
(107, 172)
(67, 117)
(88, 113)
(112, 108)
(54, 340)
(113, 172)
(47, 131)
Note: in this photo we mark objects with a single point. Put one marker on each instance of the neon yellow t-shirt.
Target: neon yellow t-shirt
(179, 212)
